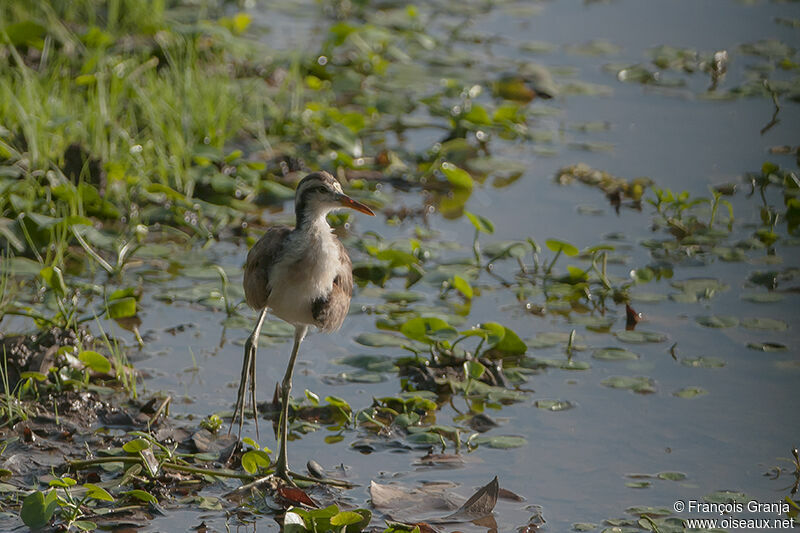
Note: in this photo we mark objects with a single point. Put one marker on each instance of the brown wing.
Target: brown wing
(260, 259)
(329, 312)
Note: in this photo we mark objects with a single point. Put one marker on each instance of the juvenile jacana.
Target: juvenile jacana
(304, 276)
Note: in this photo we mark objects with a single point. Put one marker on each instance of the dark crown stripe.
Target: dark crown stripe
(304, 192)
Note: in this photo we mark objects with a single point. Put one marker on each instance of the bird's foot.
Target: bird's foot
(285, 475)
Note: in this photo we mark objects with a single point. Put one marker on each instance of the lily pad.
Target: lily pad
(614, 354)
(425, 438)
(703, 362)
(683, 297)
(640, 336)
(637, 384)
(729, 254)
(672, 476)
(764, 324)
(649, 511)
(403, 296)
(700, 285)
(380, 340)
(554, 405)
(572, 364)
(717, 321)
(762, 297)
(767, 346)
(647, 297)
(690, 392)
(500, 441)
(548, 339)
(374, 363)
(726, 496)
(593, 322)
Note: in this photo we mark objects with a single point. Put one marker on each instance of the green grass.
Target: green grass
(140, 98)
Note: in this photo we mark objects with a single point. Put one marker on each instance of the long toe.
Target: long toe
(285, 475)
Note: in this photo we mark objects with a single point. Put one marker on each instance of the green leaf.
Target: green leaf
(481, 223)
(85, 525)
(396, 258)
(255, 459)
(136, 445)
(614, 354)
(293, 522)
(425, 438)
(511, 344)
(639, 336)
(141, 495)
(372, 363)
(63, 482)
(478, 115)
(380, 340)
(38, 376)
(762, 297)
(97, 493)
(767, 346)
(717, 321)
(312, 397)
(122, 293)
(37, 509)
(641, 385)
(54, 279)
(357, 527)
(726, 496)
(764, 324)
(474, 369)
(122, 307)
(335, 401)
(458, 178)
(491, 331)
(26, 33)
(428, 329)
(463, 286)
(345, 518)
(700, 286)
(576, 274)
(95, 361)
(555, 245)
(672, 476)
(690, 392)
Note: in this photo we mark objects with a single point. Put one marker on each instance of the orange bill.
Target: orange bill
(346, 201)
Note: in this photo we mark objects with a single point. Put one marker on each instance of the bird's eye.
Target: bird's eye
(320, 189)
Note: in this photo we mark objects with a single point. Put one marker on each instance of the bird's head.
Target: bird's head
(320, 193)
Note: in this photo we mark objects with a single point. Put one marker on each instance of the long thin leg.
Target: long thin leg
(248, 373)
(253, 394)
(282, 465)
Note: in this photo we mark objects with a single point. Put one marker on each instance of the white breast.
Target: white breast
(304, 273)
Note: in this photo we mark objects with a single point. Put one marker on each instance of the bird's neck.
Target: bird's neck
(314, 224)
